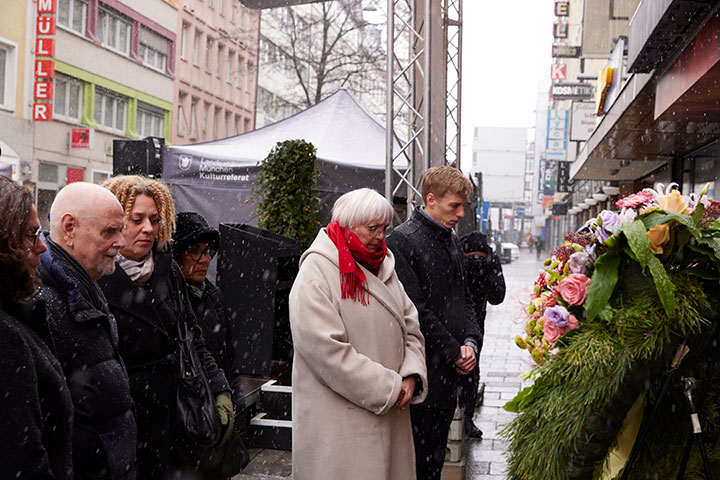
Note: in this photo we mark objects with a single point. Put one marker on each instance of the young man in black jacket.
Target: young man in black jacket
(429, 262)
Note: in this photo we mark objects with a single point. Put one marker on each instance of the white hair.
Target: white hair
(361, 206)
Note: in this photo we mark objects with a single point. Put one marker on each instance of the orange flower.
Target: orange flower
(673, 202)
(658, 236)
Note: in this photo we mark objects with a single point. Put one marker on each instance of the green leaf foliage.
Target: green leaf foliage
(602, 283)
(640, 245)
(287, 189)
(659, 217)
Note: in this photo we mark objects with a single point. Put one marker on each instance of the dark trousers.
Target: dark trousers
(469, 392)
(430, 428)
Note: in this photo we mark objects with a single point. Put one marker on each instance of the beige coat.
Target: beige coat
(349, 363)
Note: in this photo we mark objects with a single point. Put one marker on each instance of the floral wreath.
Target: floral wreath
(606, 315)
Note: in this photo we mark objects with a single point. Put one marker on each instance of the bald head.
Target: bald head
(87, 221)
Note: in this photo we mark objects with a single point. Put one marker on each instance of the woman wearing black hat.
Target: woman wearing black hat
(194, 246)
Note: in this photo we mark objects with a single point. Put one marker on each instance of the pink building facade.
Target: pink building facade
(215, 70)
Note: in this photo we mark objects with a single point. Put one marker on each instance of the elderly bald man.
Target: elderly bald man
(86, 222)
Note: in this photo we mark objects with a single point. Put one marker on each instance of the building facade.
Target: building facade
(216, 75)
(88, 72)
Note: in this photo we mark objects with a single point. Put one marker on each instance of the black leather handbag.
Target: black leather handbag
(197, 415)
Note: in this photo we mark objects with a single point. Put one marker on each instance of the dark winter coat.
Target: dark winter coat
(486, 284)
(37, 409)
(429, 263)
(85, 337)
(213, 318)
(147, 319)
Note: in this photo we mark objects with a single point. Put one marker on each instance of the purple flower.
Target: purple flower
(579, 262)
(558, 315)
(609, 218)
(590, 251)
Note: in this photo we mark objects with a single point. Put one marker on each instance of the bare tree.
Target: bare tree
(324, 47)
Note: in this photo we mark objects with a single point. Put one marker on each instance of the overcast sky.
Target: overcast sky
(506, 52)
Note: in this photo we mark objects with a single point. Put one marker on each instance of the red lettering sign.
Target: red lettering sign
(45, 68)
(42, 112)
(45, 47)
(558, 71)
(46, 6)
(80, 138)
(45, 26)
(43, 91)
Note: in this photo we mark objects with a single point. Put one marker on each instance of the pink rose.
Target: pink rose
(551, 332)
(572, 324)
(573, 288)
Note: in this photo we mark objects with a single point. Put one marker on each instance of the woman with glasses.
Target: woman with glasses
(194, 246)
(35, 403)
(148, 297)
(359, 357)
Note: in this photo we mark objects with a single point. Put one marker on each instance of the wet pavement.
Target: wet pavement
(501, 364)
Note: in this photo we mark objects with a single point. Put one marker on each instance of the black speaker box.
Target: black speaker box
(138, 157)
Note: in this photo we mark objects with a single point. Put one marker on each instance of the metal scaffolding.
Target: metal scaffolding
(423, 91)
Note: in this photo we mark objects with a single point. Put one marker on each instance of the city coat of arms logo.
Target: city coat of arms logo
(185, 162)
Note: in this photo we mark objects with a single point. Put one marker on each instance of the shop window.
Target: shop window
(99, 176)
(114, 31)
(110, 111)
(149, 121)
(72, 14)
(68, 99)
(153, 49)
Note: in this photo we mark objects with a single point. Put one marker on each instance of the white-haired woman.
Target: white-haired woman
(359, 354)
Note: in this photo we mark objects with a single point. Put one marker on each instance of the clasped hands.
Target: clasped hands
(466, 362)
(407, 390)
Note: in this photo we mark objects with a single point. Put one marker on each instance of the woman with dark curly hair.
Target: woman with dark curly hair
(36, 405)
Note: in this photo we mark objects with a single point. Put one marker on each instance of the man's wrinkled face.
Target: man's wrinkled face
(98, 240)
(446, 210)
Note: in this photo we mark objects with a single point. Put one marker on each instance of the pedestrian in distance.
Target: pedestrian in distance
(429, 263)
(195, 244)
(37, 408)
(86, 222)
(359, 358)
(486, 283)
(148, 296)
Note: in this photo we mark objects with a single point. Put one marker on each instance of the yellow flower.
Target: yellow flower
(673, 202)
(658, 236)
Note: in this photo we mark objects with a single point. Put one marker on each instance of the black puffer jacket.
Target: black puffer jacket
(147, 319)
(85, 337)
(429, 263)
(37, 409)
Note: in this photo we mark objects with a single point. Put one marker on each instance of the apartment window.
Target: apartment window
(233, 10)
(149, 121)
(183, 41)
(68, 98)
(182, 123)
(239, 75)
(211, 4)
(193, 120)
(110, 111)
(220, 6)
(114, 31)
(8, 66)
(238, 125)
(216, 123)
(196, 49)
(72, 15)
(228, 124)
(208, 53)
(153, 49)
(221, 49)
(249, 69)
(228, 66)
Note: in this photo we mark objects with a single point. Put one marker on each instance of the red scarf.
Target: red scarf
(353, 283)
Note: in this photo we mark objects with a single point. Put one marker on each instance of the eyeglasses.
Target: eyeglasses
(34, 236)
(196, 252)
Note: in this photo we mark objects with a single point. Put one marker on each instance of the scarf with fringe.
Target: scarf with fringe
(351, 251)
